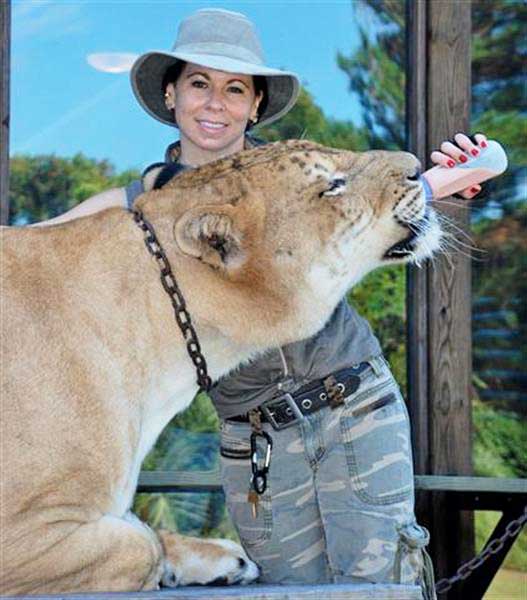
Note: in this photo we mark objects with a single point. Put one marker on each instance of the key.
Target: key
(253, 498)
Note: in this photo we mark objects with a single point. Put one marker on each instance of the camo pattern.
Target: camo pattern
(339, 506)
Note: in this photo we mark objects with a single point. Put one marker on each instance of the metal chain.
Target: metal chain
(466, 569)
(178, 302)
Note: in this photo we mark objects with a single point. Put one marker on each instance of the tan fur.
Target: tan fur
(93, 365)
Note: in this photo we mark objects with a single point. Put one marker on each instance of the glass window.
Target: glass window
(499, 315)
(499, 285)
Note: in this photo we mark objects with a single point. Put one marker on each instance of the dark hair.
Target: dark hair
(172, 74)
(260, 84)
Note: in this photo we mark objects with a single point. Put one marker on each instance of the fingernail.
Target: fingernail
(463, 158)
(483, 144)
(474, 152)
(474, 190)
(451, 163)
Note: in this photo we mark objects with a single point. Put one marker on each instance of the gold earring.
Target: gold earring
(169, 103)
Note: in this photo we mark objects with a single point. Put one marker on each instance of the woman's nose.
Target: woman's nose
(215, 100)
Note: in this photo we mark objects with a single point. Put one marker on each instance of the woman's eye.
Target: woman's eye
(198, 83)
(236, 89)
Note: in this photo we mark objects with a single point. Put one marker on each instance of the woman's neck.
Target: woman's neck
(194, 156)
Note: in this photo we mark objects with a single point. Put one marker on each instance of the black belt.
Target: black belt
(288, 409)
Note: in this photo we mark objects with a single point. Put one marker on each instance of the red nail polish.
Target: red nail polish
(474, 190)
(451, 163)
(474, 152)
(463, 158)
(483, 144)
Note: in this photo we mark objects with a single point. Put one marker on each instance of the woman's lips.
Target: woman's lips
(211, 126)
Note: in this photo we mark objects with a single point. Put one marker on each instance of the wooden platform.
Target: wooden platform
(339, 591)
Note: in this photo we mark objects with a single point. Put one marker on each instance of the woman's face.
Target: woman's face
(212, 109)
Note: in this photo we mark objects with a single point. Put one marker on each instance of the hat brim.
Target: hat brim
(149, 69)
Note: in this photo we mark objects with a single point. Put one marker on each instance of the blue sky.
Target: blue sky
(62, 104)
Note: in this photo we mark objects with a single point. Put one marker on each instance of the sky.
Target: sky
(64, 100)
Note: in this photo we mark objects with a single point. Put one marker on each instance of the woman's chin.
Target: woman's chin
(221, 142)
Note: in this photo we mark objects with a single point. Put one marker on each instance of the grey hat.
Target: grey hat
(217, 39)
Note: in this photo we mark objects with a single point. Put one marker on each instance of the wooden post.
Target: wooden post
(5, 31)
(439, 299)
(417, 279)
(449, 291)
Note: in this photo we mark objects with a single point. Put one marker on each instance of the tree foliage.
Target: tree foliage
(306, 120)
(44, 186)
(376, 72)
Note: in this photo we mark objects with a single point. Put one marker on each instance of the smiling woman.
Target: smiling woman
(212, 109)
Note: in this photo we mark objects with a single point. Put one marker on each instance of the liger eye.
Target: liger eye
(335, 187)
(336, 183)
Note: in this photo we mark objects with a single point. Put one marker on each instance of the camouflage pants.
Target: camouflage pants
(339, 506)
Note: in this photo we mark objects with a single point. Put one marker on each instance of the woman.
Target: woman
(338, 504)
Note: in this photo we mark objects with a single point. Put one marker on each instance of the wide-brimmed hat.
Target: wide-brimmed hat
(217, 39)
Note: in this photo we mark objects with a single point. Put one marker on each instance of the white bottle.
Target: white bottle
(440, 182)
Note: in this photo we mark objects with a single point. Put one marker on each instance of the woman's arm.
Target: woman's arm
(106, 199)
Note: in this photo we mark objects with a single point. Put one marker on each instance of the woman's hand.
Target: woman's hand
(451, 154)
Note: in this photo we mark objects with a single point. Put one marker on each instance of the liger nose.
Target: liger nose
(415, 175)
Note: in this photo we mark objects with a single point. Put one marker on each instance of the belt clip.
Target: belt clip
(335, 391)
(259, 476)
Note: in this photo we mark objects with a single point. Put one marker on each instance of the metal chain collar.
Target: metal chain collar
(178, 302)
(466, 569)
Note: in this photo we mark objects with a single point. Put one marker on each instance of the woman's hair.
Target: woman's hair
(260, 84)
(172, 74)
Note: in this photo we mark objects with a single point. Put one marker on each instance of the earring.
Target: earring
(169, 103)
(254, 121)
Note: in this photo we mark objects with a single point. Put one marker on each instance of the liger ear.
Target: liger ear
(212, 235)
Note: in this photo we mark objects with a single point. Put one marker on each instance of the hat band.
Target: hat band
(219, 49)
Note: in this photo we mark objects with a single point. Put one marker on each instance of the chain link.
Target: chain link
(466, 569)
(171, 287)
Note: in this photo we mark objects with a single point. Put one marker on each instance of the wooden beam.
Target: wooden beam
(5, 35)
(449, 290)
(339, 591)
(205, 481)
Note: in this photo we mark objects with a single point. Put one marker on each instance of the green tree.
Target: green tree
(306, 120)
(44, 186)
(376, 71)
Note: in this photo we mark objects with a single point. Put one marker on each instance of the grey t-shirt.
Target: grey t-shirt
(346, 339)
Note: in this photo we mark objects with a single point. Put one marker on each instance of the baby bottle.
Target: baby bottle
(440, 181)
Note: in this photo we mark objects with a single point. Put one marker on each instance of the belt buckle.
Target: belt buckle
(269, 414)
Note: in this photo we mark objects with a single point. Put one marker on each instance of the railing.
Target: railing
(508, 496)
(463, 493)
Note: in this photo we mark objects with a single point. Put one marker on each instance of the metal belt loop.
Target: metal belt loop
(334, 391)
(255, 419)
(377, 364)
(169, 283)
